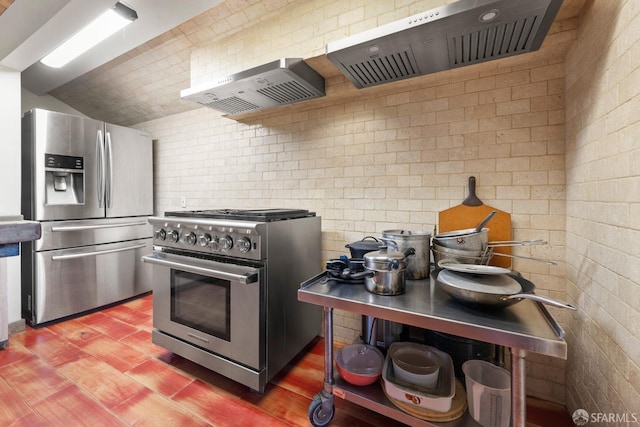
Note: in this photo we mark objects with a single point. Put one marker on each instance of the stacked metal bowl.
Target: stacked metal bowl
(468, 246)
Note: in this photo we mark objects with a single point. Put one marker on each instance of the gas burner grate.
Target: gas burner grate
(260, 215)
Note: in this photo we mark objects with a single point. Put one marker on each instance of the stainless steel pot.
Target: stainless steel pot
(468, 239)
(491, 291)
(418, 266)
(389, 269)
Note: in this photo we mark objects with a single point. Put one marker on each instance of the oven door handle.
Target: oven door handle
(245, 279)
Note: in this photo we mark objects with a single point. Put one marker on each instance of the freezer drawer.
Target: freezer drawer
(70, 281)
(70, 234)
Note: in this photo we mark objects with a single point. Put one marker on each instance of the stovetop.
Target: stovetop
(260, 215)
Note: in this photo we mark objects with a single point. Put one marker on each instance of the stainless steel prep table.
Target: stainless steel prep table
(523, 327)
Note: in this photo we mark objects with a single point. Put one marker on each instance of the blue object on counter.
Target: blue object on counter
(10, 249)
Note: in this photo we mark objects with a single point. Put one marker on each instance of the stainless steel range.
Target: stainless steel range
(225, 288)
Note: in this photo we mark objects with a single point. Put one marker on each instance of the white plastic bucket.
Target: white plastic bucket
(488, 393)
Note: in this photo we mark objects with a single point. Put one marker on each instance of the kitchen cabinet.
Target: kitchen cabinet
(523, 327)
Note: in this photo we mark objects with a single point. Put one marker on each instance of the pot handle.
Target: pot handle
(409, 251)
(497, 243)
(390, 242)
(540, 298)
(394, 265)
(363, 274)
(544, 261)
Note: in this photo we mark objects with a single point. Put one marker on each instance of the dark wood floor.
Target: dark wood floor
(102, 369)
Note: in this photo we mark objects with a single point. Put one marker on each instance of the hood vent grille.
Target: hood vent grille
(378, 70)
(460, 33)
(277, 83)
(287, 92)
(231, 105)
(495, 42)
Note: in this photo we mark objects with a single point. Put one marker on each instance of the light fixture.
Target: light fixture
(102, 27)
(489, 15)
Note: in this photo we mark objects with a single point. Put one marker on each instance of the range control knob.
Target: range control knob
(226, 243)
(215, 244)
(160, 234)
(244, 244)
(174, 236)
(190, 238)
(204, 240)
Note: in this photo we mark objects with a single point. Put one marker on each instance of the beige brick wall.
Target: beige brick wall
(387, 157)
(603, 199)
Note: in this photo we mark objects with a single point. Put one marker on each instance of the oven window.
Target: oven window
(202, 303)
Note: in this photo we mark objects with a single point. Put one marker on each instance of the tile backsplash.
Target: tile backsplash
(603, 226)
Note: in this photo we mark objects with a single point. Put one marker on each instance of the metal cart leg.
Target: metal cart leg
(518, 388)
(322, 408)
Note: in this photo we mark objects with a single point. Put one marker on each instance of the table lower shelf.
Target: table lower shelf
(373, 398)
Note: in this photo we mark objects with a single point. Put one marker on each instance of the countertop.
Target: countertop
(13, 229)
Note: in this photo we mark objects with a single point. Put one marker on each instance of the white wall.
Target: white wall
(31, 100)
(10, 176)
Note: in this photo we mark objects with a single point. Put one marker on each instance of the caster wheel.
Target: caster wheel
(318, 416)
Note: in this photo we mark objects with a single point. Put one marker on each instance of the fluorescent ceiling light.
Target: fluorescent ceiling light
(105, 25)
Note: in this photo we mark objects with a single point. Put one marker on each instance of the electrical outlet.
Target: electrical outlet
(183, 202)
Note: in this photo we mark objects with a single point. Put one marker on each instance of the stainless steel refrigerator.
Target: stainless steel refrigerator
(90, 185)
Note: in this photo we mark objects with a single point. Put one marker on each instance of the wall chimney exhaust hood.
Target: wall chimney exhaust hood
(462, 33)
(280, 82)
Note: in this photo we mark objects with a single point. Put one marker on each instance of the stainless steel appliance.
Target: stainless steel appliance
(460, 33)
(225, 288)
(90, 184)
(276, 83)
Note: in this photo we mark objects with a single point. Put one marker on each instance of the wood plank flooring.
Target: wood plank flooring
(102, 369)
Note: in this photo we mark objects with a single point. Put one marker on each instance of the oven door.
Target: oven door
(213, 305)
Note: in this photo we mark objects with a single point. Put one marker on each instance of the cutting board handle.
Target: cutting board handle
(472, 199)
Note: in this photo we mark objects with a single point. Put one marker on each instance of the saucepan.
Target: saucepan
(490, 290)
(389, 269)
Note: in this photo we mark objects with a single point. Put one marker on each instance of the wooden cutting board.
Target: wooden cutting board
(470, 213)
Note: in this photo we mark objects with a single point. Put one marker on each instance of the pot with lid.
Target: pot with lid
(389, 269)
(418, 266)
(361, 247)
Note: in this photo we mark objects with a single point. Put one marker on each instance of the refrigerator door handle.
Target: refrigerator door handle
(101, 171)
(95, 253)
(109, 171)
(96, 227)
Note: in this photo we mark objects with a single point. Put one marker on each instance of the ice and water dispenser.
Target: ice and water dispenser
(64, 180)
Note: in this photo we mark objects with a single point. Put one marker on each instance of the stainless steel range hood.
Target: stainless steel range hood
(461, 33)
(280, 82)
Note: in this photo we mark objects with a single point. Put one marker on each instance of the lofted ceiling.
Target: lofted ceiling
(137, 75)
